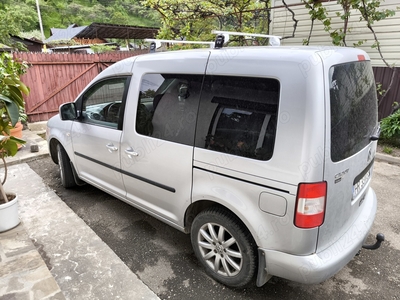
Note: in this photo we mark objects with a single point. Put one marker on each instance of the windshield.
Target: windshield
(354, 111)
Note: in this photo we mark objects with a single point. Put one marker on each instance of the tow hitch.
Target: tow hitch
(379, 239)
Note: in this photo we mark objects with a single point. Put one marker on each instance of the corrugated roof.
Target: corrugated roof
(102, 30)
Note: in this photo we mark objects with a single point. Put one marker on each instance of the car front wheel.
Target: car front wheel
(64, 164)
(224, 247)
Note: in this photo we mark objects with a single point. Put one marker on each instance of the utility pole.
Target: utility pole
(41, 25)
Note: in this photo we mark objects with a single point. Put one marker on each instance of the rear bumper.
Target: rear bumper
(317, 267)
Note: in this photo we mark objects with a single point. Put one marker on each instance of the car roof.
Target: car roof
(310, 55)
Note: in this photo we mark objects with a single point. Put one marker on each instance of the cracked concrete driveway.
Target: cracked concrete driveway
(163, 259)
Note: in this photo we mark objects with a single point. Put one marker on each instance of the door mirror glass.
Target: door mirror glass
(68, 111)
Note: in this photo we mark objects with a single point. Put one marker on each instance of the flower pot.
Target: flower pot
(9, 215)
(17, 132)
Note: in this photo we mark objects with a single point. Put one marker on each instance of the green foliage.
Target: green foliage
(194, 20)
(379, 89)
(18, 16)
(14, 18)
(390, 126)
(370, 11)
(61, 13)
(387, 150)
(102, 48)
(11, 102)
(31, 34)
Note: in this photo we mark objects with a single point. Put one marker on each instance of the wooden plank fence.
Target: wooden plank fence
(383, 75)
(57, 78)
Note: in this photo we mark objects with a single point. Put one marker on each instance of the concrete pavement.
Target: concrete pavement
(53, 254)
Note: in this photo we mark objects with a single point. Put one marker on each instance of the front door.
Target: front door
(97, 134)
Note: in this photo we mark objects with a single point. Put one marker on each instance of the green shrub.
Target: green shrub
(387, 150)
(390, 126)
(11, 102)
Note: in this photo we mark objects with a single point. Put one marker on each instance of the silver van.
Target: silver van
(263, 154)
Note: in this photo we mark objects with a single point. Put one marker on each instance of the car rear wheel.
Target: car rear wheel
(224, 247)
(64, 164)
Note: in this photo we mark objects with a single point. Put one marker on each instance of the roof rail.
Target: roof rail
(153, 41)
(274, 40)
(222, 37)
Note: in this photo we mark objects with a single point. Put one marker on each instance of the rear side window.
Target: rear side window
(354, 109)
(237, 115)
(168, 106)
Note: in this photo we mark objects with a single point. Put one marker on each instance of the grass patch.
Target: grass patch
(387, 150)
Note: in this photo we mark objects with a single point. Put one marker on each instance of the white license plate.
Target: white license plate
(358, 186)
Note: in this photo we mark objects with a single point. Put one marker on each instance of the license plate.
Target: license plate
(358, 186)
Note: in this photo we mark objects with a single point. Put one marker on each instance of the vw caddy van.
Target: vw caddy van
(264, 155)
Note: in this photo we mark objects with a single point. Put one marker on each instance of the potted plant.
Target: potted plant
(11, 111)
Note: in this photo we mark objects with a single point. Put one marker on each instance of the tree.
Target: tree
(194, 20)
(15, 18)
(21, 15)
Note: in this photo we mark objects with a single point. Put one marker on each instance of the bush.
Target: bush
(390, 128)
(11, 102)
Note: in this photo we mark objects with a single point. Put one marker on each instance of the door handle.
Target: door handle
(131, 152)
(111, 148)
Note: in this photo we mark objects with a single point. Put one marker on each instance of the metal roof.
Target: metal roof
(65, 34)
(102, 30)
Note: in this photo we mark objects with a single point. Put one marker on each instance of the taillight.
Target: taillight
(310, 205)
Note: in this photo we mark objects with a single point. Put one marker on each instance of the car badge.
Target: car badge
(369, 158)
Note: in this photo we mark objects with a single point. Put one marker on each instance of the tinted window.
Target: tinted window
(168, 105)
(101, 104)
(354, 111)
(237, 115)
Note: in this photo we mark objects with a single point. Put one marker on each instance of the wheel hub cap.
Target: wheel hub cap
(220, 250)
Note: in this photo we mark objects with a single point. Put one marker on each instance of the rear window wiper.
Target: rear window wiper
(376, 133)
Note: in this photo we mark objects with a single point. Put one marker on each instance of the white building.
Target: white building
(387, 31)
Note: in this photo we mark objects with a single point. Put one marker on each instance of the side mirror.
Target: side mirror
(68, 111)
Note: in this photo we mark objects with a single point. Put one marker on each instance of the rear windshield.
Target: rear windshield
(354, 111)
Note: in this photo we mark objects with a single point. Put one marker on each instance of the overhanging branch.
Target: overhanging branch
(294, 20)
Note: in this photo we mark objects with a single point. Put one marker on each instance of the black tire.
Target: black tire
(64, 164)
(233, 265)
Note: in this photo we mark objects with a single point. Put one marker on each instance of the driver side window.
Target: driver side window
(102, 103)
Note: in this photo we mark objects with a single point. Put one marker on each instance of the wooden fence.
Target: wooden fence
(56, 78)
(383, 75)
(59, 78)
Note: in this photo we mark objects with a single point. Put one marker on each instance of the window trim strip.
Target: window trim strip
(243, 180)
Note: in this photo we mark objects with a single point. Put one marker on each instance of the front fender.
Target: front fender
(59, 132)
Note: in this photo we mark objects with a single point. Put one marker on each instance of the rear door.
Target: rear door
(158, 137)
(352, 118)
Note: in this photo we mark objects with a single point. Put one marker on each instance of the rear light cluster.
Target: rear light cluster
(310, 205)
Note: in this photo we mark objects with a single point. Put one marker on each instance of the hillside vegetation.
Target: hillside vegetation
(61, 13)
